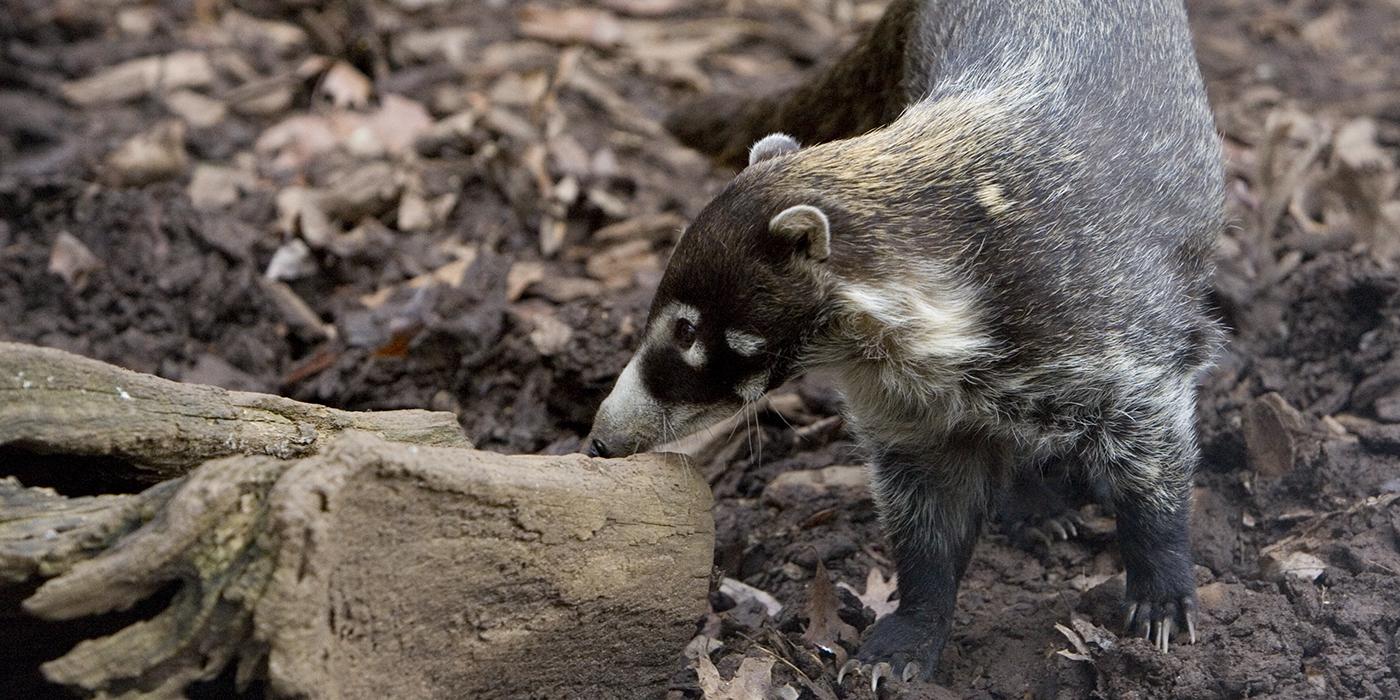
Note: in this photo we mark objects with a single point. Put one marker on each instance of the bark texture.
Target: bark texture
(353, 565)
(53, 402)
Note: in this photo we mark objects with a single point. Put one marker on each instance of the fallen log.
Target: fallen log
(53, 402)
(371, 568)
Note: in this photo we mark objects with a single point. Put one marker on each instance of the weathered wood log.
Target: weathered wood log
(372, 568)
(53, 402)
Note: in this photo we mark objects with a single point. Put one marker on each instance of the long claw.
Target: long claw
(911, 671)
(882, 670)
(1038, 535)
(1128, 617)
(1072, 526)
(841, 674)
(1167, 625)
(1058, 529)
(1191, 625)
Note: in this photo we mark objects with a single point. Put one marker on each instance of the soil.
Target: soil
(501, 270)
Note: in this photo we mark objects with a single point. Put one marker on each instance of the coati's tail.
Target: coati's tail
(865, 89)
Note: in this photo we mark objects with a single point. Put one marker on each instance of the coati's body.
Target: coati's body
(998, 240)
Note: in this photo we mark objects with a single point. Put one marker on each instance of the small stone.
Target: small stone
(1388, 408)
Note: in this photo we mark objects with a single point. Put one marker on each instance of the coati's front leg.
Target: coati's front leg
(931, 507)
(863, 90)
(1147, 452)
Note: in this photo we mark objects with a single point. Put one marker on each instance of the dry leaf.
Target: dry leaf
(573, 25)
(878, 590)
(702, 645)
(523, 274)
(151, 156)
(825, 628)
(662, 226)
(346, 86)
(139, 76)
(645, 8)
(752, 681)
(216, 187)
(71, 260)
(196, 109)
(291, 261)
(741, 592)
(296, 140)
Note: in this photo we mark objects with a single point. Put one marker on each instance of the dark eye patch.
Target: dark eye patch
(683, 331)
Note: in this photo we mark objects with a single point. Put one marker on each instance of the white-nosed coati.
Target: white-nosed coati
(998, 239)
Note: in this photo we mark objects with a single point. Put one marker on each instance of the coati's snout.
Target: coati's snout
(728, 319)
(679, 381)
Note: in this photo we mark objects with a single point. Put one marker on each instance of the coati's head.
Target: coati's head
(741, 294)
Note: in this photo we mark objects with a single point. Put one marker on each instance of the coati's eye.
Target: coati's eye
(684, 333)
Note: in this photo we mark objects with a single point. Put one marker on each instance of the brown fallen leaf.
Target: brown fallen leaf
(645, 8)
(825, 628)
(617, 267)
(741, 593)
(137, 77)
(345, 86)
(562, 290)
(660, 226)
(574, 25)
(71, 260)
(878, 590)
(197, 110)
(548, 334)
(151, 156)
(753, 680)
(523, 274)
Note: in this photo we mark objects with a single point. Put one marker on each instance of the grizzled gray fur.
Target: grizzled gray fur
(997, 241)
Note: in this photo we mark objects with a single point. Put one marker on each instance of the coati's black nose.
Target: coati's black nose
(597, 448)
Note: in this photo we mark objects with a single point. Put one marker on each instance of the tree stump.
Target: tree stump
(369, 561)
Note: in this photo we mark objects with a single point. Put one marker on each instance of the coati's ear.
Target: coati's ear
(804, 223)
(772, 146)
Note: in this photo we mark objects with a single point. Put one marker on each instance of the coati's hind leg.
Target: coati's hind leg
(1147, 452)
(931, 506)
(1039, 506)
(863, 90)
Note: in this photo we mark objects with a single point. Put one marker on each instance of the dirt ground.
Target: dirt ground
(465, 206)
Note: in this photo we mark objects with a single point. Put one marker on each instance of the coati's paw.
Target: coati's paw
(1063, 526)
(1156, 617)
(898, 646)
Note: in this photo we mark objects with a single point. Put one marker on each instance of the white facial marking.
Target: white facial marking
(694, 355)
(745, 344)
(630, 402)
